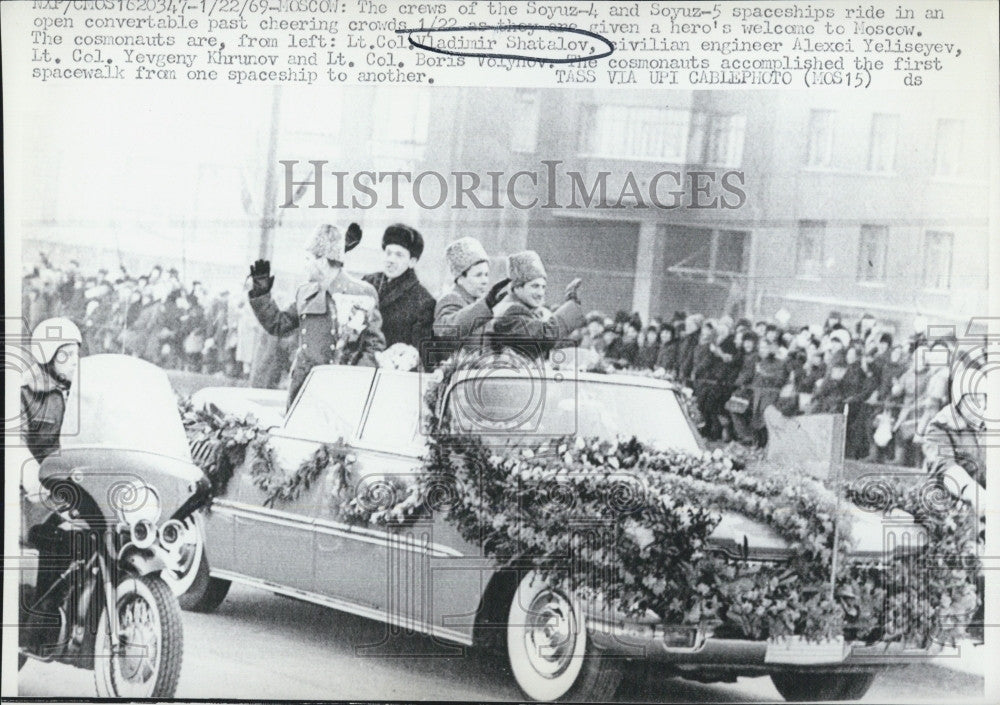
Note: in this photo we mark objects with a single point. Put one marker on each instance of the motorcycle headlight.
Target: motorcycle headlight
(136, 501)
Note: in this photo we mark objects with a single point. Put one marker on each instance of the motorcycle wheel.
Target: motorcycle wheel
(151, 643)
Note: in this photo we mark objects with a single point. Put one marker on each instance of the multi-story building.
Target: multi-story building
(853, 201)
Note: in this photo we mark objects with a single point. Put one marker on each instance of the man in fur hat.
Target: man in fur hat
(407, 308)
(462, 314)
(336, 315)
(521, 321)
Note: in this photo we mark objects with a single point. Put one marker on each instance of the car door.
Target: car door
(381, 570)
(275, 541)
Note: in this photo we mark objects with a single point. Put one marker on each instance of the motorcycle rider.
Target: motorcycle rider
(55, 349)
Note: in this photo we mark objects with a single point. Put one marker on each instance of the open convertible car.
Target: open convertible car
(425, 577)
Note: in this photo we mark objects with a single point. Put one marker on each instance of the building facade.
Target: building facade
(852, 201)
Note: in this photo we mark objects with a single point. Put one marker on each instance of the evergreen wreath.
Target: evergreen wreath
(627, 527)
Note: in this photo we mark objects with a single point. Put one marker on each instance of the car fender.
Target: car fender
(141, 561)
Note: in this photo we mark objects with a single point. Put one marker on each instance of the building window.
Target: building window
(809, 248)
(882, 148)
(872, 252)
(524, 126)
(717, 140)
(401, 115)
(820, 152)
(731, 251)
(937, 260)
(703, 253)
(948, 148)
(634, 132)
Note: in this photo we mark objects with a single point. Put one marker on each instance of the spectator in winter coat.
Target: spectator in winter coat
(912, 385)
(880, 361)
(248, 331)
(593, 336)
(707, 379)
(891, 392)
(623, 352)
(406, 307)
(650, 348)
(192, 335)
(855, 386)
(832, 322)
(813, 370)
(704, 360)
(769, 377)
(742, 386)
(666, 358)
(685, 364)
(521, 321)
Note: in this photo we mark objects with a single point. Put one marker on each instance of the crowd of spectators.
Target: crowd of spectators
(151, 315)
(888, 388)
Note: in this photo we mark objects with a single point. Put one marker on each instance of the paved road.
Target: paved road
(259, 645)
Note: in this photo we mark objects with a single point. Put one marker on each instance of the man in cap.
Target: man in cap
(522, 321)
(407, 308)
(336, 315)
(462, 314)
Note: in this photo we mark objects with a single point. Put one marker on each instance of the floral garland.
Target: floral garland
(233, 441)
(220, 442)
(279, 486)
(655, 511)
(628, 526)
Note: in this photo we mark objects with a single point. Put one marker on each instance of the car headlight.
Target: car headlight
(135, 501)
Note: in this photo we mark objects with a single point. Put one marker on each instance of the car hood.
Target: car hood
(872, 535)
(265, 405)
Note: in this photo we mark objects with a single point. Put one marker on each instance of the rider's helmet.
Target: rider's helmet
(50, 335)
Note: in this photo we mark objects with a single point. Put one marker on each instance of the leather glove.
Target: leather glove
(496, 293)
(571, 290)
(260, 273)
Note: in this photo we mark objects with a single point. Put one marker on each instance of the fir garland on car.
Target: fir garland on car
(654, 510)
(224, 442)
(627, 526)
(218, 441)
(279, 485)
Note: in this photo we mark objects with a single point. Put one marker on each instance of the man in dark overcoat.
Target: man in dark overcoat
(406, 307)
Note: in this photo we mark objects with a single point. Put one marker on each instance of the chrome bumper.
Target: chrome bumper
(704, 653)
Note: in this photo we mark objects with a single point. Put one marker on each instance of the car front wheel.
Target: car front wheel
(185, 558)
(205, 593)
(549, 651)
(812, 687)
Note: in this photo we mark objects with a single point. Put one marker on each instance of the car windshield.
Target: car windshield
(512, 409)
(123, 403)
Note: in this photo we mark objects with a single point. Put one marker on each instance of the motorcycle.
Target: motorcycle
(102, 549)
